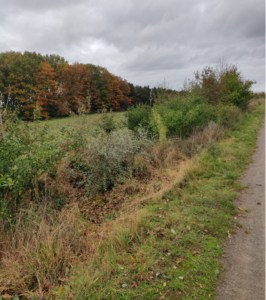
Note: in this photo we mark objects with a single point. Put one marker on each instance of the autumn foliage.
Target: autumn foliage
(58, 87)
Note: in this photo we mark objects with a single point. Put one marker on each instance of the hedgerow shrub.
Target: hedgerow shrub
(138, 116)
(226, 115)
(261, 95)
(110, 158)
(24, 158)
(223, 83)
(181, 116)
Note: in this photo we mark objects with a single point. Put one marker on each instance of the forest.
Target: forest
(30, 80)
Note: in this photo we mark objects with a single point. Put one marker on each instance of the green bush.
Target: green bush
(226, 115)
(224, 83)
(138, 116)
(107, 122)
(215, 96)
(181, 116)
(25, 157)
(237, 90)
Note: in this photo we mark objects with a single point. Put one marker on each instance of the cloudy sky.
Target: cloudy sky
(143, 41)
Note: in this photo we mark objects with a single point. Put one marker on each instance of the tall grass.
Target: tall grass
(41, 247)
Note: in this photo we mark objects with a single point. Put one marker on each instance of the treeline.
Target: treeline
(49, 82)
(147, 95)
(29, 80)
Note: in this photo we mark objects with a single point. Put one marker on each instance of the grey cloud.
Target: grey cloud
(142, 41)
(40, 6)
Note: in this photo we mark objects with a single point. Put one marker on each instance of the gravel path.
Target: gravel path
(244, 257)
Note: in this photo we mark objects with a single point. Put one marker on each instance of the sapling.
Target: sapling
(2, 113)
(37, 111)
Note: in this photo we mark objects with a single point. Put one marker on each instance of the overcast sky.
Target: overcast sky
(143, 41)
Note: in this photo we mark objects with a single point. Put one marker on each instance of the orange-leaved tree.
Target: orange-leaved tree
(76, 83)
(46, 88)
(126, 91)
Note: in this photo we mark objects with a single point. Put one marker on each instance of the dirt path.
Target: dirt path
(244, 257)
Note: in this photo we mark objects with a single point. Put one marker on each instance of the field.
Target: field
(55, 125)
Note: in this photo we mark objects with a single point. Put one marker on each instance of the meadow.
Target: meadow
(132, 205)
(91, 121)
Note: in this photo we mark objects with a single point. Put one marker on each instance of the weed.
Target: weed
(239, 225)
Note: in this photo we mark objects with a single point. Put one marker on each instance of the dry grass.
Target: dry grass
(44, 244)
(177, 178)
(37, 251)
(165, 155)
(200, 140)
(117, 238)
(36, 255)
(254, 103)
(62, 179)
